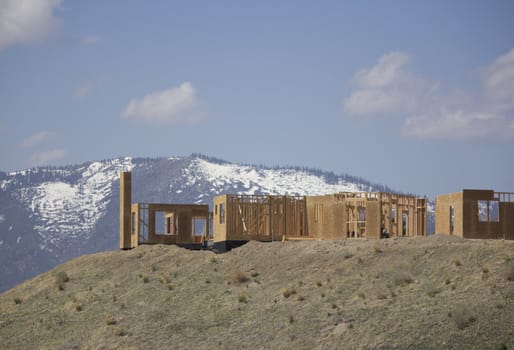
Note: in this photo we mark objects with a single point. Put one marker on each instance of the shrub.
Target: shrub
(462, 317)
(165, 279)
(242, 298)
(291, 319)
(319, 283)
(254, 274)
(402, 279)
(458, 263)
(378, 249)
(60, 279)
(510, 273)
(110, 320)
(146, 279)
(347, 255)
(382, 295)
(78, 308)
(119, 331)
(432, 291)
(287, 292)
(239, 277)
(17, 301)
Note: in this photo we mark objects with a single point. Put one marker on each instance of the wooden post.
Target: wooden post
(125, 209)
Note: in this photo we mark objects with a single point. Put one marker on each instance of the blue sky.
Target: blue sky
(417, 95)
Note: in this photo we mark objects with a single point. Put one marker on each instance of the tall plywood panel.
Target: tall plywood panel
(125, 210)
(373, 219)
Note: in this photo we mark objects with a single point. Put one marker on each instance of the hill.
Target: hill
(51, 214)
(420, 293)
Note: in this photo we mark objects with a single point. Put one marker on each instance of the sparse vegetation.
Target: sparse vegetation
(401, 279)
(432, 290)
(239, 277)
(378, 249)
(462, 316)
(287, 292)
(110, 320)
(309, 293)
(242, 298)
(60, 279)
(509, 275)
(165, 279)
(17, 301)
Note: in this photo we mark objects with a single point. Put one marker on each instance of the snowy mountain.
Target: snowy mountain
(49, 215)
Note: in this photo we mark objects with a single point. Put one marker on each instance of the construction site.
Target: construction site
(236, 218)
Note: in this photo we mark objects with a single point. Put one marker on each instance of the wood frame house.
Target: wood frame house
(475, 214)
(239, 218)
(152, 223)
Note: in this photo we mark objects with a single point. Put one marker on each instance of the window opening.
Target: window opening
(160, 223)
(222, 213)
(452, 219)
(488, 211)
(199, 226)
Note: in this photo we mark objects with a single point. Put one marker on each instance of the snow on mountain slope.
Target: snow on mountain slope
(65, 210)
(265, 181)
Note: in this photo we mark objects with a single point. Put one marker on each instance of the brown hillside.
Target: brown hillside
(418, 293)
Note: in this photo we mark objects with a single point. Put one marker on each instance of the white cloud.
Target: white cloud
(36, 138)
(178, 105)
(459, 125)
(83, 90)
(390, 89)
(26, 21)
(47, 157)
(498, 81)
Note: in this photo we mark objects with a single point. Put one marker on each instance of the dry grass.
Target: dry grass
(308, 296)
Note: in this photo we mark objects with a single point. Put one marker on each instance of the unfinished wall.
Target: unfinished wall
(507, 219)
(477, 214)
(258, 217)
(152, 223)
(125, 202)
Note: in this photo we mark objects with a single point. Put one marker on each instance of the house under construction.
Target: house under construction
(476, 214)
(186, 225)
(240, 218)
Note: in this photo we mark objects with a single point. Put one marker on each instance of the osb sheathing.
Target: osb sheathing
(125, 203)
(443, 203)
(466, 218)
(183, 215)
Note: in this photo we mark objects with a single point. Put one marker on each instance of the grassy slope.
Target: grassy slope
(423, 293)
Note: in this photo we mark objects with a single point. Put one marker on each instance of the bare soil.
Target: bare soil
(418, 293)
